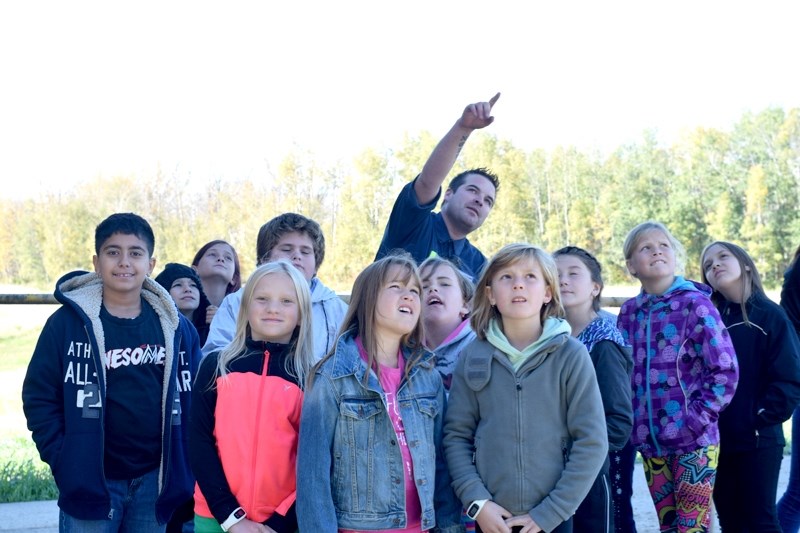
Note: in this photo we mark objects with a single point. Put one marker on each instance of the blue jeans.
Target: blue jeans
(133, 509)
(789, 504)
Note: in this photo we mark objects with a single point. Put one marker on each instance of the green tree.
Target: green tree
(369, 195)
(511, 217)
(759, 238)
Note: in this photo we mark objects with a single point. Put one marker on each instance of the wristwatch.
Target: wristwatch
(475, 508)
(234, 518)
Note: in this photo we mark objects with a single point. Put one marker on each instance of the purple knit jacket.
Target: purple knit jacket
(684, 368)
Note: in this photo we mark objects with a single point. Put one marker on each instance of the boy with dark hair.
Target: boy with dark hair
(298, 240)
(468, 200)
(108, 389)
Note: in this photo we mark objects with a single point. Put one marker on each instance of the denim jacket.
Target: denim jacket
(349, 466)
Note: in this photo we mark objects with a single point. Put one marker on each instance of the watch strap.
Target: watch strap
(234, 518)
(475, 508)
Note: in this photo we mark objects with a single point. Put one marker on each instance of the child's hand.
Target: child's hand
(248, 526)
(527, 523)
(492, 518)
(211, 310)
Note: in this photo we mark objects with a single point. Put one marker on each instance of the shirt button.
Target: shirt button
(392, 442)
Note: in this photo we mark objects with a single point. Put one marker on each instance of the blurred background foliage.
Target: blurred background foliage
(740, 185)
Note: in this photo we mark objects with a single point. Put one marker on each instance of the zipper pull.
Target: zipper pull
(266, 363)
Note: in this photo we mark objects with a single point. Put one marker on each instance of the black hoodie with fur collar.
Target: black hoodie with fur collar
(64, 397)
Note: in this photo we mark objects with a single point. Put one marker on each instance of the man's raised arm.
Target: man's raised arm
(443, 157)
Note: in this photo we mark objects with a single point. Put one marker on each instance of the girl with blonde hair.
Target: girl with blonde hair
(525, 433)
(684, 374)
(246, 409)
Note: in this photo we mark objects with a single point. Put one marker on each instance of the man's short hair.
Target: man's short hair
(458, 181)
(126, 224)
(271, 232)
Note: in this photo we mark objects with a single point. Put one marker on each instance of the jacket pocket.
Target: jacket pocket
(430, 409)
(566, 447)
(428, 406)
(700, 421)
(357, 409)
(78, 472)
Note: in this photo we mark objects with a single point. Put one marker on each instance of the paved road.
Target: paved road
(29, 517)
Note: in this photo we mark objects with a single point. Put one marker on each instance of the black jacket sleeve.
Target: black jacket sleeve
(613, 364)
(781, 393)
(43, 395)
(203, 455)
(790, 295)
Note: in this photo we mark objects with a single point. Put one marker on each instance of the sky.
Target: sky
(224, 90)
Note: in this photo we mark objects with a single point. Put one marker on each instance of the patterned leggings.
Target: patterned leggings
(681, 487)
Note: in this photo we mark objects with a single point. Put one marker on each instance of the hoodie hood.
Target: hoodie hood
(462, 331)
(448, 352)
(680, 286)
(83, 292)
(328, 312)
(319, 292)
(554, 332)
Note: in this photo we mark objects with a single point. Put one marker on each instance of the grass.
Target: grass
(17, 348)
(23, 477)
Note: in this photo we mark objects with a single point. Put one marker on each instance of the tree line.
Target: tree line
(740, 185)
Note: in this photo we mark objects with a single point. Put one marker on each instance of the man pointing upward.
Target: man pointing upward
(468, 199)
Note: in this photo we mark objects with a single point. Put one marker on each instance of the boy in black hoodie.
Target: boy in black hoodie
(108, 388)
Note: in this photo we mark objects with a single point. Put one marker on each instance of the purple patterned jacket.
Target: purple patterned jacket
(684, 368)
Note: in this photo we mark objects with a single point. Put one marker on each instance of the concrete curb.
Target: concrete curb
(29, 517)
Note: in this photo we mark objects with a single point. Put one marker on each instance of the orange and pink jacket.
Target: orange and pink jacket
(243, 434)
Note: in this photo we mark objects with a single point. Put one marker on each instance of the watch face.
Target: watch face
(239, 513)
(473, 510)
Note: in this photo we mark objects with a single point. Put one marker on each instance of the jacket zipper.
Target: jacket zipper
(166, 452)
(647, 356)
(102, 392)
(254, 449)
(518, 386)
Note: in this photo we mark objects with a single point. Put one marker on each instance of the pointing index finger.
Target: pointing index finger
(493, 100)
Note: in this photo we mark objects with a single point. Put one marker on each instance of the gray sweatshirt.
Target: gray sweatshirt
(532, 441)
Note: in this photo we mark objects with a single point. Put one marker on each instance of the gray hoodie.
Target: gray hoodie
(448, 352)
(532, 441)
